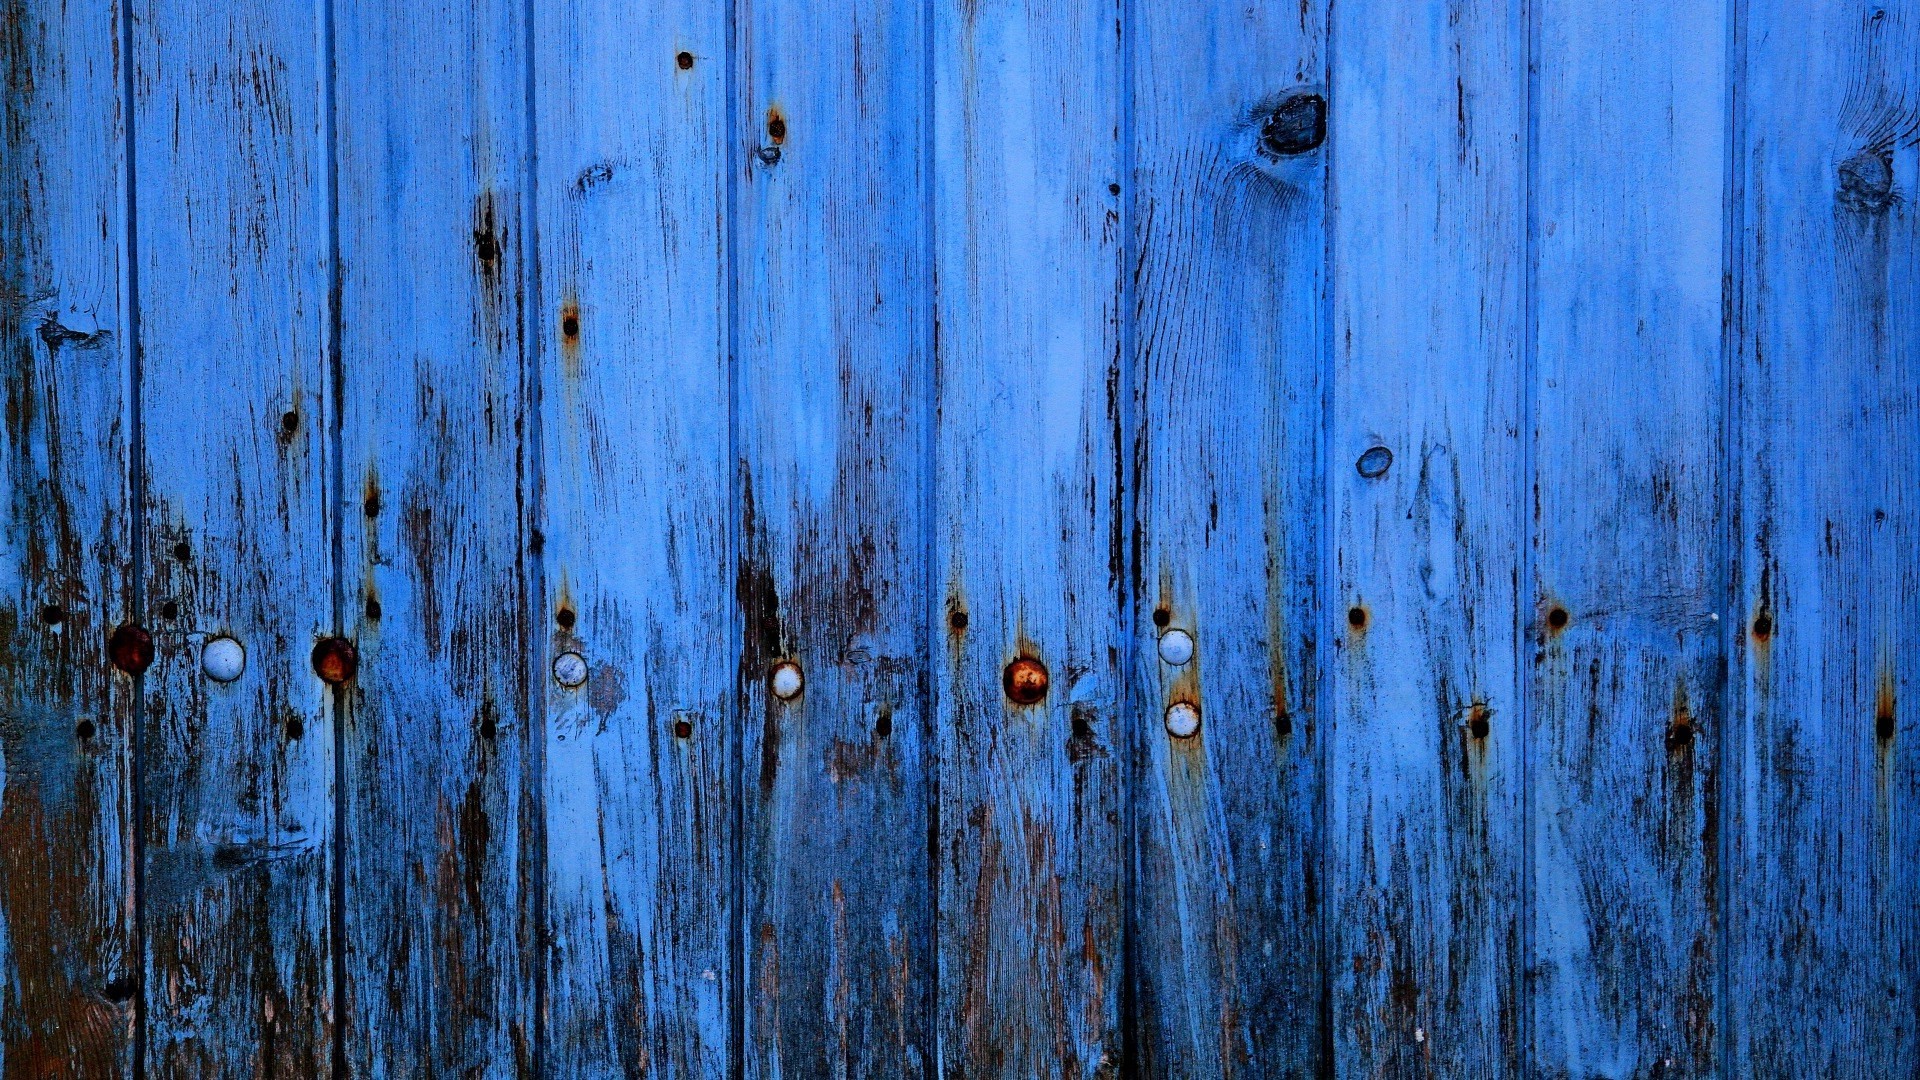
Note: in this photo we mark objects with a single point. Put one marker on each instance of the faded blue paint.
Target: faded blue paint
(1532, 464)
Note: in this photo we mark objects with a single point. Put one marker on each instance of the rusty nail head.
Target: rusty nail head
(787, 680)
(1026, 681)
(335, 660)
(1176, 647)
(570, 670)
(1183, 719)
(131, 649)
(223, 659)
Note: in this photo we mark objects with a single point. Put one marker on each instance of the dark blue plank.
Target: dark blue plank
(1825, 908)
(69, 962)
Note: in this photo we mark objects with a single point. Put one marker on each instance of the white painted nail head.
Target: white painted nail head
(1176, 647)
(787, 680)
(1183, 720)
(570, 669)
(223, 659)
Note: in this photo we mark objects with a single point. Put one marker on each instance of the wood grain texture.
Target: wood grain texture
(632, 120)
(232, 261)
(832, 433)
(1629, 182)
(1428, 286)
(1826, 909)
(1029, 540)
(69, 966)
(1228, 212)
(440, 812)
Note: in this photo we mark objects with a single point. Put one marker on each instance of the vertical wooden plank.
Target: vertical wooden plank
(1228, 213)
(632, 120)
(1629, 181)
(1826, 913)
(1429, 322)
(1029, 542)
(68, 971)
(233, 268)
(833, 396)
(439, 819)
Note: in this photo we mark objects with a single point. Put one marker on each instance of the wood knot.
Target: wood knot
(1866, 183)
(1297, 125)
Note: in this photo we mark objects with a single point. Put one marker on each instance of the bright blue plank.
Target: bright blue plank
(1629, 181)
(833, 395)
(439, 808)
(69, 966)
(1229, 221)
(1825, 909)
(632, 112)
(1426, 833)
(1028, 537)
(228, 125)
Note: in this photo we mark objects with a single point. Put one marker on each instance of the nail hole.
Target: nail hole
(119, 989)
(570, 326)
(84, 729)
(1113, 189)
(685, 60)
(169, 610)
(1557, 618)
(488, 728)
(1883, 725)
(289, 423)
(53, 615)
(485, 246)
(1357, 617)
(682, 729)
(373, 609)
(182, 551)
(1082, 727)
(1763, 627)
(1282, 722)
(883, 725)
(564, 617)
(957, 620)
(371, 505)
(776, 127)
(1161, 616)
(1477, 722)
(295, 729)
(1679, 735)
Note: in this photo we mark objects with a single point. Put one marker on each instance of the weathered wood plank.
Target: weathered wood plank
(1826, 906)
(1426, 834)
(439, 808)
(1029, 541)
(232, 214)
(69, 968)
(1228, 218)
(832, 433)
(632, 121)
(1629, 182)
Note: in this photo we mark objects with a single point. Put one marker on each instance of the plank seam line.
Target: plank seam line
(1322, 718)
(335, 486)
(1127, 520)
(136, 525)
(929, 504)
(1527, 589)
(732, 161)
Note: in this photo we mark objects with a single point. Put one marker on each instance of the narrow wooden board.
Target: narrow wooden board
(833, 400)
(1629, 184)
(69, 963)
(632, 116)
(1029, 537)
(1228, 220)
(1826, 905)
(439, 804)
(1426, 790)
(232, 261)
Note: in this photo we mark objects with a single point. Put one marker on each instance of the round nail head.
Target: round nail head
(335, 660)
(1176, 647)
(1375, 462)
(1183, 719)
(1026, 681)
(787, 680)
(570, 670)
(223, 659)
(131, 649)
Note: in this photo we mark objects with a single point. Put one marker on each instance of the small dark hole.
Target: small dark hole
(295, 729)
(1082, 728)
(84, 729)
(182, 551)
(777, 128)
(53, 615)
(685, 60)
(1557, 618)
(169, 610)
(373, 609)
(371, 505)
(486, 247)
(487, 728)
(570, 326)
(682, 729)
(1883, 725)
(1477, 725)
(1679, 735)
(883, 726)
(119, 989)
(1357, 617)
(1113, 189)
(564, 617)
(1763, 627)
(957, 620)
(1161, 616)
(289, 422)
(1283, 722)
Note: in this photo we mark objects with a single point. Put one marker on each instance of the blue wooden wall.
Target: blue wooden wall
(960, 538)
